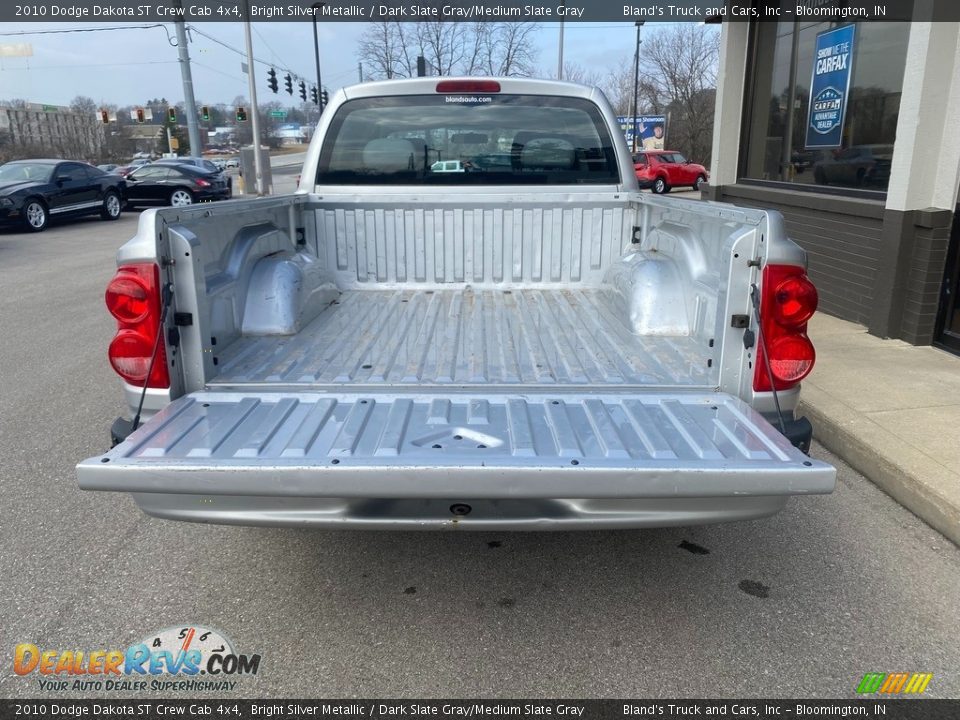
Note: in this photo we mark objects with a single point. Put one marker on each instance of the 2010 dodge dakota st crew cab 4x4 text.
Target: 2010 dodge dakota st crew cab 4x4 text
(530, 343)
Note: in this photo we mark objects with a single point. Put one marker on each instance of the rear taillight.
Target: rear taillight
(468, 86)
(200, 182)
(133, 298)
(788, 301)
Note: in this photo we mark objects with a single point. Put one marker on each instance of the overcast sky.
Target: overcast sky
(131, 66)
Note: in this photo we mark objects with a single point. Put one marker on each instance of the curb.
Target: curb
(914, 480)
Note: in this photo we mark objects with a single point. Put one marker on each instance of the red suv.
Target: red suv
(661, 170)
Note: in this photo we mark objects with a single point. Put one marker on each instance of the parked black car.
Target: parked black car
(33, 191)
(177, 185)
(857, 166)
(199, 162)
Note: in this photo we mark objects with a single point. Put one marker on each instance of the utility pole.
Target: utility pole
(316, 45)
(255, 111)
(189, 104)
(636, 85)
(560, 49)
(360, 70)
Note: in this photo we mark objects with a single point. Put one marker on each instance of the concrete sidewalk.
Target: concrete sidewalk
(892, 411)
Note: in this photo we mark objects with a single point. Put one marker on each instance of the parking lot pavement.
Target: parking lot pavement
(801, 604)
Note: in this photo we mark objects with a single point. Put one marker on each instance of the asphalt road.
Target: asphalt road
(802, 604)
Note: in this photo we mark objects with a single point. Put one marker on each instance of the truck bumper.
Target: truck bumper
(536, 460)
(456, 513)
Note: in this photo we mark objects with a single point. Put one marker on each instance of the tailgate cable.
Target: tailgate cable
(762, 342)
(166, 295)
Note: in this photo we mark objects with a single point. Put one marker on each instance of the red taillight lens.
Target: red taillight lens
(130, 357)
(133, 298)
(788, 301)
(791, 358)
(795, 301)
(127, 298)
(200, 182)
(472, 86)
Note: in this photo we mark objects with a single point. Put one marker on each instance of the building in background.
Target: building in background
(51, 130)
(292, 134)
(852, 132)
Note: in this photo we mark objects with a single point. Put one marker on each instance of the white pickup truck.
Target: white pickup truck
(529, 344)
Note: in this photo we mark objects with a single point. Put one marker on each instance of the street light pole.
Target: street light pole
(189, 104)
(316, 51)
(254, 110)
(560, 48)
(636, 84)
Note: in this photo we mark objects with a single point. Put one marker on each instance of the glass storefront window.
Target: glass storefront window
(775, 137)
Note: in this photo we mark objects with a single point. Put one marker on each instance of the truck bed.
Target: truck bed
(535, 337)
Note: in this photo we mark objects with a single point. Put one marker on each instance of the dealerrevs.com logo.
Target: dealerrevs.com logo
(186, 658)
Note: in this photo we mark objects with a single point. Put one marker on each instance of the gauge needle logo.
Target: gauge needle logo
(187, 640)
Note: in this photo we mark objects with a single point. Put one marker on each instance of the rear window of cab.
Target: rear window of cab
(465, 139)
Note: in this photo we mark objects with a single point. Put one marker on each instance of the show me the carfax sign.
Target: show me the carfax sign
(830, 87)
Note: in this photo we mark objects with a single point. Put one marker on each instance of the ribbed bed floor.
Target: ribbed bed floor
(532, 337)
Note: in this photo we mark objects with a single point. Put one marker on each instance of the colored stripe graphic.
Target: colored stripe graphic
(894, 683)
(919, 681)
(871, 683)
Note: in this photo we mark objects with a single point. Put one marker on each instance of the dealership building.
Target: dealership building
(852, 132)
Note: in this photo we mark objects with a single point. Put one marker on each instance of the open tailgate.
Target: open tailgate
(415, 445)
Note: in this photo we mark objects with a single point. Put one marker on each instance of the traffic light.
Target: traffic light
(205, 113)
(289, 82)
(315, 96)
(171, 114)
(272, 82)
(324, 99)
(303, 90)
(140, 115)
(241, 114)
(104, 117)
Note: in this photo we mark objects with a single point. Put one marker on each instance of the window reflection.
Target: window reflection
(775, 147)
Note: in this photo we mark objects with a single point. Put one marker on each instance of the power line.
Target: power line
(30, 68)
(273, 52)
(20, 33)
(194, 28)
(80, 30)
(219, 72)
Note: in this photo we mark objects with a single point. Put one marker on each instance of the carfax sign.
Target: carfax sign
(830, 87)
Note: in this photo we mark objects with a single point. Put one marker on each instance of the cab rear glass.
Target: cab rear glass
(465, 139)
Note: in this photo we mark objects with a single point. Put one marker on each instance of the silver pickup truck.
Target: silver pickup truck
(523, 341)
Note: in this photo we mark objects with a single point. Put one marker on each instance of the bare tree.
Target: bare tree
(573, 72)
(385, 51)
(618, 86)
(682, 61)
(82, 135)
(510, 49)
(443, 44)
(678, 72)
(390, 49)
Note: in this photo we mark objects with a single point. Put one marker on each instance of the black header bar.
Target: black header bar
(542, 11)
(232, 708)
